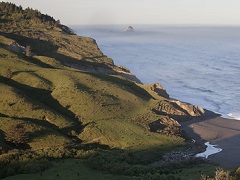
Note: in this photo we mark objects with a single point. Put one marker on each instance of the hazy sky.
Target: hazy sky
(72, 12)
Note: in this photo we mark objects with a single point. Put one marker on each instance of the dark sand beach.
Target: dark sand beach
(218, 131)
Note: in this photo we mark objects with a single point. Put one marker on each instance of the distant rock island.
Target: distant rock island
(129, 29)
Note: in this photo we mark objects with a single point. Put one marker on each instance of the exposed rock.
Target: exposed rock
(158, 88)
(175, 156)
(178, 110)
(166, 126)
(192, 110)
(14, 46)
(124, 69)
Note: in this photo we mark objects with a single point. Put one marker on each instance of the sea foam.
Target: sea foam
(234, 116)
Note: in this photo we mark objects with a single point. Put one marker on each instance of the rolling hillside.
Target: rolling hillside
(62, 97)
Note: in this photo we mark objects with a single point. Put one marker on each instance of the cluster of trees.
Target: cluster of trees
(10, 9)
(19, 17)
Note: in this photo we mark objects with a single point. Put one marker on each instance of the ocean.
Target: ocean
(196, 64)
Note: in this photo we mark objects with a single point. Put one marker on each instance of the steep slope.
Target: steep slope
(59, 90)
(66, 98)
(48, 38)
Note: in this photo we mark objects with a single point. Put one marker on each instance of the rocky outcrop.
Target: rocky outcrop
(178, 110)
(14, 46)
(192, 110)
(175, 156)
(166, 126)
(159, 89)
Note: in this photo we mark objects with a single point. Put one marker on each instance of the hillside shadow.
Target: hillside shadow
(47, 48)
(2, 137)
(39, 122)
(45, 97)
(5, 20)
(125, 85)
(39, 63)
(18, 72)
(188, 131)
(38, 46)
(3, 115)
(70, 61)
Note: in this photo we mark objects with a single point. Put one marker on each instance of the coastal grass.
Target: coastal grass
(109, 110)
(58, 106)
(70, 169)
(77, 169)
(70, 113)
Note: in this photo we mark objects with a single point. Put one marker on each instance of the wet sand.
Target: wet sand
(218, 131)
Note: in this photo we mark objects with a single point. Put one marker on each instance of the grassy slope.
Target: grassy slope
(53, 97)
(59, 105)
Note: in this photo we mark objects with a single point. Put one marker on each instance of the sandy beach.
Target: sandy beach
(218, 131)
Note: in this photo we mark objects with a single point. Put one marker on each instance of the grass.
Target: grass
(52, 97)
(59, 105)
(71, 169)
(76, 169)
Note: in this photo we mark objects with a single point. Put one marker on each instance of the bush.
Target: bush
(237, 173)
(17, 135)
(220, 174)
(7, 74)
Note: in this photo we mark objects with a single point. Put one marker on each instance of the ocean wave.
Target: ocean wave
(234, 116)
(199, 89)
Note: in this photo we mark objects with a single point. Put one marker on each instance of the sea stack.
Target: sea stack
(129, 29)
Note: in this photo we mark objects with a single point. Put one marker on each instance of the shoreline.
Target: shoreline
(223, 132)
(212, 128)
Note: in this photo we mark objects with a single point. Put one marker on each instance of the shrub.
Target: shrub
(220, 174)
(237, 173)
(7, 73)
(16, 135)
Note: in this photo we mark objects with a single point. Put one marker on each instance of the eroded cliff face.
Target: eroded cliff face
(170, 111)
(173, 108)
(160, 90)
(178, 110)
(173, 112)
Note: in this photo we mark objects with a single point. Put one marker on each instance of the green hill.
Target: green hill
(61, 97)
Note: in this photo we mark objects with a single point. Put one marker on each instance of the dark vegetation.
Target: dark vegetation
(12, 15)
(53, 106)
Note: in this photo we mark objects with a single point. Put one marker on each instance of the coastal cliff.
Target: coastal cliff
(64, 98)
